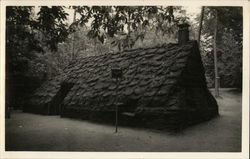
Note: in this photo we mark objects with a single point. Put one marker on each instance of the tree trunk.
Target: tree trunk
(216, 80)
(200, 25)
(129, 31)
(73, 39)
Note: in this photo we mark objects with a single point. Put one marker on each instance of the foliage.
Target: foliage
(84, 46)
(229, 45)
(51, 21)
(229, 62)
(129, 22)
(26, 36)
(229, 18)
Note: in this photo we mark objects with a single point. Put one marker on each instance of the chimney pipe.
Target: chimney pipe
(183, 33)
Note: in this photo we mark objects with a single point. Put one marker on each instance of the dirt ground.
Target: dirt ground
(30, 132)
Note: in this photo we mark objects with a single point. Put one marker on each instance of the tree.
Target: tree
(216, 80)
(28, 35)
(127, 21)
(200, 25)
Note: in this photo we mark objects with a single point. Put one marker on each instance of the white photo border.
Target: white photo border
(194, 155)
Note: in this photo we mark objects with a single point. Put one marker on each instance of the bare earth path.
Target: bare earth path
(30, 132)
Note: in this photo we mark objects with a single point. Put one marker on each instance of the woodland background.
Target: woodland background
(41, 42)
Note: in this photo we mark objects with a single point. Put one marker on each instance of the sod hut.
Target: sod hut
(160, 86)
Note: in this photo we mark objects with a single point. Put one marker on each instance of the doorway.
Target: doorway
(55, 105)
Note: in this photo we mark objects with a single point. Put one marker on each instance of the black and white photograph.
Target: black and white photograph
(124, 78)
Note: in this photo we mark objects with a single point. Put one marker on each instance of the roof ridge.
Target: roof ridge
(128, 50)
(135, 49)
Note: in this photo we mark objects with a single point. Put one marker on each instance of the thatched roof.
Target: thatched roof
(149, 76)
